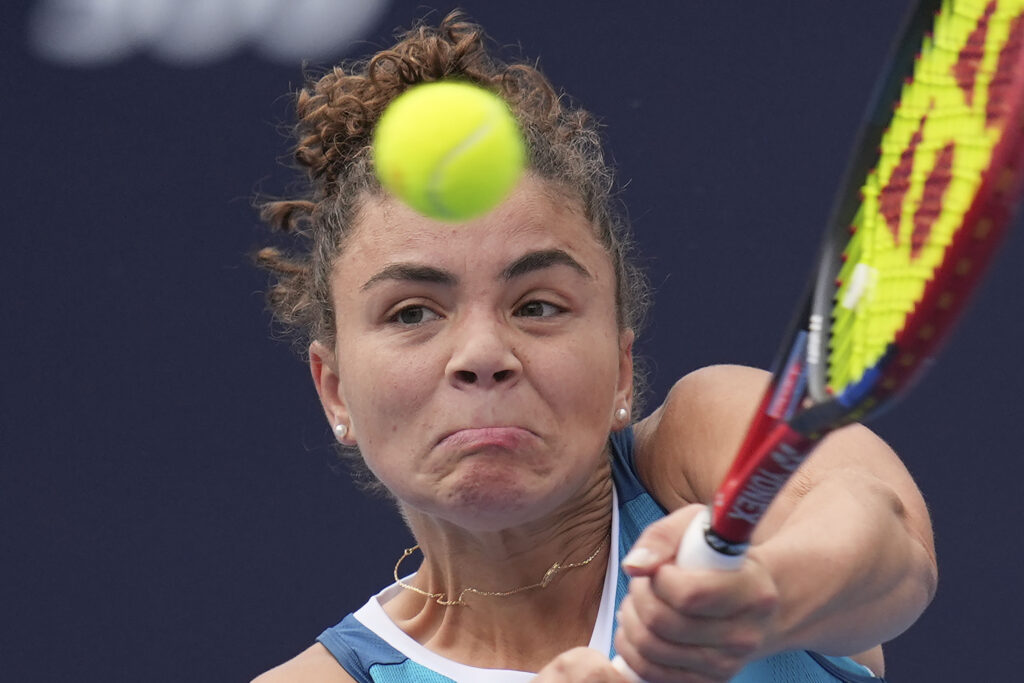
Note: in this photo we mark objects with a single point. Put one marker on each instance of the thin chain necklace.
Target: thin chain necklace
(443, 600)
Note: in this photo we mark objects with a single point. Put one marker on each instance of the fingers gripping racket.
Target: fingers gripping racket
(928, 195)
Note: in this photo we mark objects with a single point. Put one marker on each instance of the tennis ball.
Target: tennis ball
(450, 150)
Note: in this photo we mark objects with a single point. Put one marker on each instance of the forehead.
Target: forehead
(534, 217)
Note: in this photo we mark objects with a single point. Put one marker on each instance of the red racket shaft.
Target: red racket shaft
(753, 482)
(718, 538)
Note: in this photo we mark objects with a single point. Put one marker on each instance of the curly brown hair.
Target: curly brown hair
(336, 114)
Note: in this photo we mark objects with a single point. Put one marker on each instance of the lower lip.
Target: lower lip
(487, 437)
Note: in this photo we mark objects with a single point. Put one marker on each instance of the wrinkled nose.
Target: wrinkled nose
(483, 356)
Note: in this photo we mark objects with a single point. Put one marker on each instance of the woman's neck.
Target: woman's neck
(523, 621)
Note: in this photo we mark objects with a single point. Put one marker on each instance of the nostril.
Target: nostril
(502, 375)
(466, 376)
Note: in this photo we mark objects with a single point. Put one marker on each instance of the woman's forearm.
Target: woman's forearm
(852, 567)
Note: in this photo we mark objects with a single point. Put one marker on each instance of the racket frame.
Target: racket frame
(797, 411)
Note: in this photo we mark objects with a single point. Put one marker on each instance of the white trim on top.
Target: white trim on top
(373, 617)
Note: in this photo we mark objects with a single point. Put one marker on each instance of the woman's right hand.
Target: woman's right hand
(680, 624)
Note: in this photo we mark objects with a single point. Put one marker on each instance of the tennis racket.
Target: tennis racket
(929, 193)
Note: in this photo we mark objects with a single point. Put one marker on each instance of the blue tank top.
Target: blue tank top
(372, 649)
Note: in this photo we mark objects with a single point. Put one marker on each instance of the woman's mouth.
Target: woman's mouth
(473, 438)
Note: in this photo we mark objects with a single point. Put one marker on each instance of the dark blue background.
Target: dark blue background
(169, 503)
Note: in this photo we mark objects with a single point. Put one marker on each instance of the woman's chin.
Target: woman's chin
(487, 500)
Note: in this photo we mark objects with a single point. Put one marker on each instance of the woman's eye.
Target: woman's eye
(538, 309)
(414, 315)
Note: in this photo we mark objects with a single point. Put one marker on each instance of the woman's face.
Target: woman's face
(478, 366)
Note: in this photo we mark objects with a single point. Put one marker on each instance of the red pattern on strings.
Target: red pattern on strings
(931, 201)
(965, 71)
(891, 198)
(995, 109)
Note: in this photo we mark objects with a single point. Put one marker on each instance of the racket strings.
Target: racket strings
(932, 160)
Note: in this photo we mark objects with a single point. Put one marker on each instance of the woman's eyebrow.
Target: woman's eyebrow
(538, 260)
(527, 263)
(412, 272)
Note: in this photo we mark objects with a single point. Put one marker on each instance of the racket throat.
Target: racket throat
(750, 488)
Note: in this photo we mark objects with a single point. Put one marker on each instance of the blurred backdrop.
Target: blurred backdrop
(170, 508)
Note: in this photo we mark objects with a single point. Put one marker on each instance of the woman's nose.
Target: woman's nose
(483, 355)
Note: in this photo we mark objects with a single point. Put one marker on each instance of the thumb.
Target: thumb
(659, 542)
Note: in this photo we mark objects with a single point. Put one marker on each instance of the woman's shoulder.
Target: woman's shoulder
(714, 383)
(683, 446)
(712, 392)
(313, 665)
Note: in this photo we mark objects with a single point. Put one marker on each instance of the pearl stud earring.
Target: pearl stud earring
(340, 431)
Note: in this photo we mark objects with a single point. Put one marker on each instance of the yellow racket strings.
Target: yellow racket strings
(932, 157)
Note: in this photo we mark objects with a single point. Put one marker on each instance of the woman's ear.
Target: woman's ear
(323, 367)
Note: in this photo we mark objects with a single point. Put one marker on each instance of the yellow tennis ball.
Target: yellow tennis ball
(450, 150)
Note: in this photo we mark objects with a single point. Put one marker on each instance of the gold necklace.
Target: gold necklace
(442, 598)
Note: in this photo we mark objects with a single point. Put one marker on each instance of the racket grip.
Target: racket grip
(696, 553)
